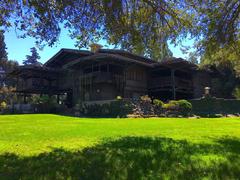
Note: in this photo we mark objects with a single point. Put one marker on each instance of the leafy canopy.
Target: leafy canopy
(141, 26)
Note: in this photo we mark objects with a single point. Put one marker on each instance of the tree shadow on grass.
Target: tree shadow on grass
(131, 158)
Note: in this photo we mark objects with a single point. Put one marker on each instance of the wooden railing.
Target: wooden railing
(99, 77)
(167, 82)
(33, 84)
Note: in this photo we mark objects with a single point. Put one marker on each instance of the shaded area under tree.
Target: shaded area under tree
(131, 158)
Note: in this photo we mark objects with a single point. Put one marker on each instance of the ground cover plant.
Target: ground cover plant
(60, 147)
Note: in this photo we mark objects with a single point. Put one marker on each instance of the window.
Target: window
(104, 68)
(87, 70)
(95, 68)
(135, 75)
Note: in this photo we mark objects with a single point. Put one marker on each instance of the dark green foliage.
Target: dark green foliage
(131, 158)
(180, 107)
(94, 110)
(236, 92)
(117, 108)
(46, 104)
(211, 105)
(185, 107)
(218, 24)
(142, 27)
(5, 64)
(3, 52)
(225, 79)
(158, 102)
(158, 106)
(120, 108)
(171, 105)
(33, 58)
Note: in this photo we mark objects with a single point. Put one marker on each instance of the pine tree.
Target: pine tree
(33, 58)
(3, 52)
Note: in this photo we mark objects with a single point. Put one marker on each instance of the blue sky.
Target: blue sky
(18, 48)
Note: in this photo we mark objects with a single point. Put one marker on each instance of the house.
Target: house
(103, 74)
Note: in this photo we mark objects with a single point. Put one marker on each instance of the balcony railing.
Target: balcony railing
(165, 82)
(35, 85)
(101, 77)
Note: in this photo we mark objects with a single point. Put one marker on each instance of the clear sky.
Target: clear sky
(18, 48)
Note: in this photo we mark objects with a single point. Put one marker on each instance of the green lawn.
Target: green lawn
(59, 147)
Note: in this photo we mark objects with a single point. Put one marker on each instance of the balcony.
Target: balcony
(164, 83)
(36, 86)
(101, 77)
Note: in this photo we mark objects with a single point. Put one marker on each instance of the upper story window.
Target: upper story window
(135, 75)
(115, 69)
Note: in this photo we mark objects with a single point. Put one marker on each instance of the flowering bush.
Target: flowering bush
(3, 105)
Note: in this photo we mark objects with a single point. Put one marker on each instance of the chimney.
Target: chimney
(95, 47)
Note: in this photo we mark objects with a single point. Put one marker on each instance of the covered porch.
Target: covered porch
(172, 79)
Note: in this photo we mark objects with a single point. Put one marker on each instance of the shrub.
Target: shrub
(158, 103)
(46, 104)
(185, 107)
(158, 106)
(145, 106)
(171, 105)
(236, 92)
(181, 107)
(145, 98)
(93, 110)
(117, 108)
(205, 107)
(120, 108)
(3, 105)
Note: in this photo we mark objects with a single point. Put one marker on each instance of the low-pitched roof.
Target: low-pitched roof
(39, 71)
(59, 58)
(70, 57)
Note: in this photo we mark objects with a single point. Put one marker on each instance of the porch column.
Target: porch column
(173, 83)
(58, 98)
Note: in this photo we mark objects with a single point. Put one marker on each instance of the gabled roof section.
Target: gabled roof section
(65, 56)
(127, 55)
(69, 57)
(106, 57)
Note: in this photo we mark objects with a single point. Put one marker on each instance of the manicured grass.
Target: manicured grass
(59, 147)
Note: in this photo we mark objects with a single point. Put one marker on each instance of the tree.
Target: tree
(160, 52)
(3, 52)
(140, 26)
(227, 55)
(135, 25)
(216, 25)
(33, 58)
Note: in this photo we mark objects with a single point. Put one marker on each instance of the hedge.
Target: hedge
(213, 105)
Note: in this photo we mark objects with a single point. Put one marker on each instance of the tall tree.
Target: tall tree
(33, 58)
(3, 52)
(5, 65)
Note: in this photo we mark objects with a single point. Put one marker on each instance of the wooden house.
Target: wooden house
(83, 76)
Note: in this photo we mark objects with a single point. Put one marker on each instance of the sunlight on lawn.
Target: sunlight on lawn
(58, 147)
